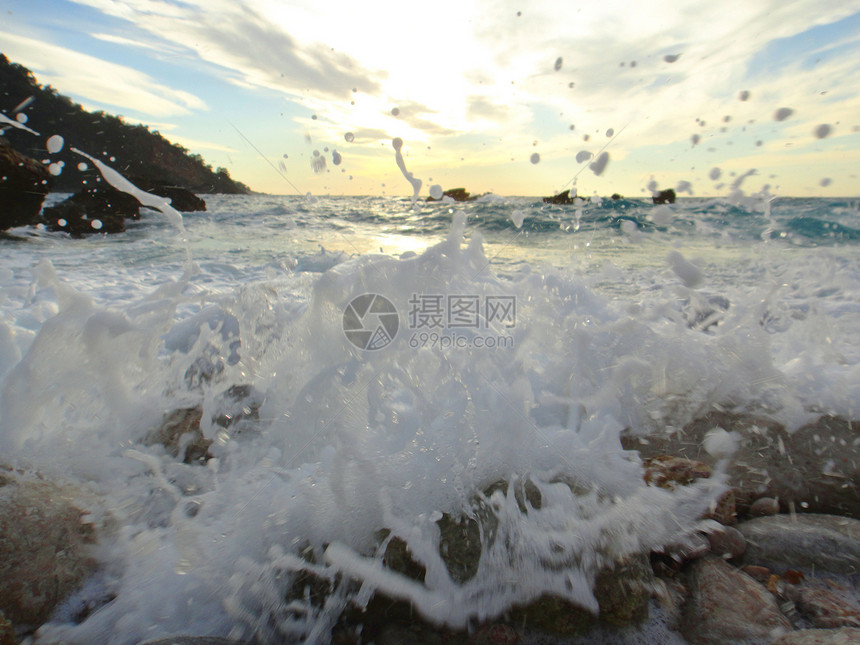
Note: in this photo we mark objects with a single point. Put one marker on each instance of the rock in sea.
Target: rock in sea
(24, 182)
(44, 547)
(810, 540)
(726, 606)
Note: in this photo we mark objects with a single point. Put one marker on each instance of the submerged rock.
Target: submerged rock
(822, 542)
(44, 547)
(181, 435)
(725, 605)
(24, 182)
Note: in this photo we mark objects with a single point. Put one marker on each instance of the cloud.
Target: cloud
(482, 107)
(256, 50)
(100, 83)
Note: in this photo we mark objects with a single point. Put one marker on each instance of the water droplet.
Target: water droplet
(671, 58)
(600, 163)
(349, 136)
(54, 143)
(823, 130)
(558, 63)
(535, 158)
(743, 95)
(395, 111)
(96, 224)
(782, 114)
(82, 166)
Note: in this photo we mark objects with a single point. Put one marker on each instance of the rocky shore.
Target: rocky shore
(775, 561)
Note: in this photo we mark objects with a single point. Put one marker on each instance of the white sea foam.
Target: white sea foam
(349, 442)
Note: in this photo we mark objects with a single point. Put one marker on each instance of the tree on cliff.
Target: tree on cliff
(133, 150)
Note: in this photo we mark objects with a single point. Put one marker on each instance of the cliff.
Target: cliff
(137, 151)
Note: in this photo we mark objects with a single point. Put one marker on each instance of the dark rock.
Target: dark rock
(180, 198)
(822, 542)
(616, 197)
(44, 548)
(457, 194)
(562, 198)
(181, 435)
(24, 182)
(845, 636)
(95, 210)
(772, 462)
(725, 605)
(664, 197)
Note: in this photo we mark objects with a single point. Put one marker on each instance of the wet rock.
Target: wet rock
(757, 573)
(497, 634)
(193, 640)
(727, 543)
(664, 197)
(668, 471)
(763, 507)
(820, 637)
(726, 605)
(24, 182)
(689, 547)
(810, 470)
(553, 615)
(822, 542)
(44, 547)
(623, 590)
(180, 198)
(181, 435)
(94, 210)
(723, 510)
(562, 198)
(827, 609)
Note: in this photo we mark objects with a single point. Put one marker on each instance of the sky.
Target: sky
(514, 98)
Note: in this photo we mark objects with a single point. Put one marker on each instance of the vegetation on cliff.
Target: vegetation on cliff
(133, 150)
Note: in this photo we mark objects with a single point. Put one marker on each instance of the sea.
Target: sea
(366, 366)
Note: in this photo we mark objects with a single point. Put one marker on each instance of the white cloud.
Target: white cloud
(100, 83)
